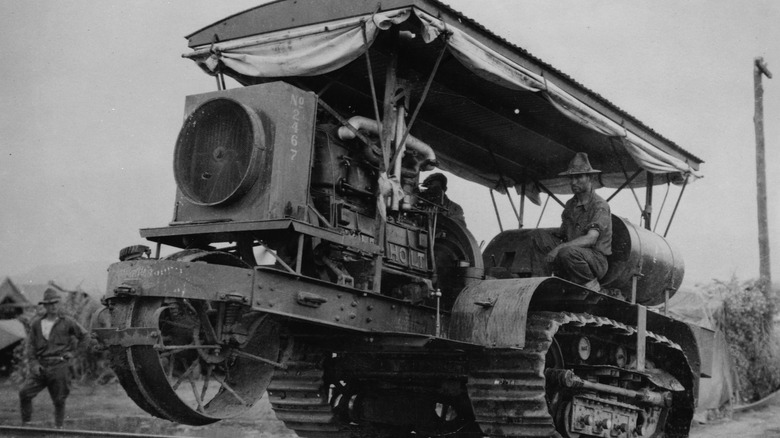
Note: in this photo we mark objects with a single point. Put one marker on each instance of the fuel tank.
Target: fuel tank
(657, 264)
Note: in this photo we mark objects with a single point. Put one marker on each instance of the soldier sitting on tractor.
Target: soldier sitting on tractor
(586, 230)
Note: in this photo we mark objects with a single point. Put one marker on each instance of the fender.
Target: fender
(494, 312)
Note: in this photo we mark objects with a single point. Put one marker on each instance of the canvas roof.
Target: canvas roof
(494, 113)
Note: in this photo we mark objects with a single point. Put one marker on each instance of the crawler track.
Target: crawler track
(300, 398)
(507, 387)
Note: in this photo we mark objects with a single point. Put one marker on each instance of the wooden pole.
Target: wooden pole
(765, 276)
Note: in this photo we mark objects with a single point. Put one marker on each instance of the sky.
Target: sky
(92, 97)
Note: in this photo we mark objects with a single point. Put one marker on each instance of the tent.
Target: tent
(11, 331)
(718, 390)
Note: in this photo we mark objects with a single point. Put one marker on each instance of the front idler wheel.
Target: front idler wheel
(199, 372)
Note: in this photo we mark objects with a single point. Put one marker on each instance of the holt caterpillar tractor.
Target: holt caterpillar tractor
(310, 266)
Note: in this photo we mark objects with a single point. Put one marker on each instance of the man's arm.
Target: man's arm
(585, 241)
(34, 367)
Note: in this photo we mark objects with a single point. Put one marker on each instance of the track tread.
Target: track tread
(507, 387)
(299, 397)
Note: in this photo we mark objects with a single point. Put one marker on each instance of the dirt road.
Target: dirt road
(108, 408)
(763, 422)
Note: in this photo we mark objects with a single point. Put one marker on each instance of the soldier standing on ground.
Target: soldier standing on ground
(50, 346)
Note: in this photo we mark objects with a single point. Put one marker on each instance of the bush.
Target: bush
(746, 318)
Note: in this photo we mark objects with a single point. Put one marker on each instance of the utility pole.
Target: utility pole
(765, 274)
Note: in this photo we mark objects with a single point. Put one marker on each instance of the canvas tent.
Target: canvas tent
(718, 390)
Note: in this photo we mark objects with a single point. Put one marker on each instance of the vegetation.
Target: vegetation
(746, 318)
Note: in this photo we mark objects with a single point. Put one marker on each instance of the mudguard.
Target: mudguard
(494, 312)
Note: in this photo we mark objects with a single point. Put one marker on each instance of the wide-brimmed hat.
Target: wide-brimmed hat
(579, 165)
(50, 296)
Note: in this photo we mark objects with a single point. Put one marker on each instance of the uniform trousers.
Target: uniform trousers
(576, 264)
(55, 378)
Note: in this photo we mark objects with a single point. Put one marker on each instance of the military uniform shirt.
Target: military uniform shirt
(578, 219)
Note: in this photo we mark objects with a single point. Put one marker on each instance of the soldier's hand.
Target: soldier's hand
(551, 255)
(35, 368)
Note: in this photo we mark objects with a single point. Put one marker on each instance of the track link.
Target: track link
(506, 387)
(300, 397)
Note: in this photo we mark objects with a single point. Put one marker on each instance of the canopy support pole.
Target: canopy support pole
(647, 213)
(625, 173)
(391, 85)
(544, 207)
(522, 206)
(373, 88)
(495, 207)
(549, 193)
(622, 186)
(677, 204)
(663, 203)
(422, 98)
(512, 203)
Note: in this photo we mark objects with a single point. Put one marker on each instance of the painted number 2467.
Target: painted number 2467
(297, 104)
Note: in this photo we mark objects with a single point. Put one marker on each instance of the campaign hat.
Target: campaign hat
(579, 165)
(50, 296)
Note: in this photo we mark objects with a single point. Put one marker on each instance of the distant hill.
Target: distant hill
(89, 276)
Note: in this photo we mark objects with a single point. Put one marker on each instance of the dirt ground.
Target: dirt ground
(108, 408)
(763, 422)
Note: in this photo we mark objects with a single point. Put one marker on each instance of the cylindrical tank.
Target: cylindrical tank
(637, 251)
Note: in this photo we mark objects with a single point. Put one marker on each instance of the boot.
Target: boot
(59, 415)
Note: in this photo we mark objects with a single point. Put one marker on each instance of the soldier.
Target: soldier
(51, 344)
(586, 229)
(436, 185)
